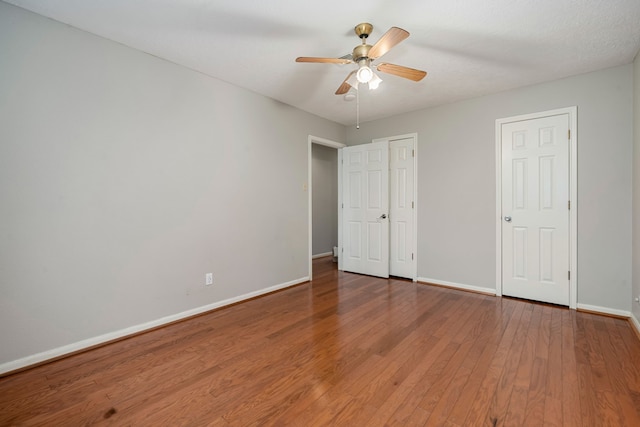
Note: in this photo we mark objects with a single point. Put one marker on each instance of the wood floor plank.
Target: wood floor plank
(445, 376)
(571, 413)
(348, 350)
(417, 418)
(356, 413)
(417, 366)
(485, 343)
(587, 389)
(490, 404)
(493, 356)
(601, 380)
(554, 367)
(534, 411)
(521, 383)
(432, 365)
(553, 412)
(398, 362)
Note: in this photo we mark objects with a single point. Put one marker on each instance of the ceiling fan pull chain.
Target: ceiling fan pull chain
(357, 109)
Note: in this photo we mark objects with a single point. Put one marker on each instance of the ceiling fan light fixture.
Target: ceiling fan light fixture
(374, 82)
(364, 74)
(353, 81)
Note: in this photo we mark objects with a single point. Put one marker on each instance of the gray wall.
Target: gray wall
(456, 173)
(325, 198)
(125, 178)
(636, 186)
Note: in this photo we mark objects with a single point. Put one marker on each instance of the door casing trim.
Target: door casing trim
(573, 195)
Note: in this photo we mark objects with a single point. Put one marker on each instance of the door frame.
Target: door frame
(573, 195)
(414, 249)
(309, 187)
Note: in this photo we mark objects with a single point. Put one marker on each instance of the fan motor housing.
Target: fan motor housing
(361, 52)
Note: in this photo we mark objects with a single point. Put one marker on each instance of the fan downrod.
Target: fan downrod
(362, 51)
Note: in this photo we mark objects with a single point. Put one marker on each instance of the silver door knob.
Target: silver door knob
(507, 218)
(383, 216)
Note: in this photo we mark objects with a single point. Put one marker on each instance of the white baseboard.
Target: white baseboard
(322, 255)
(122, 333)
(478, 289)
(604, 310)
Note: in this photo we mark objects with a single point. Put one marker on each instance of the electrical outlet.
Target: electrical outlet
(209, 279)
(637, 299)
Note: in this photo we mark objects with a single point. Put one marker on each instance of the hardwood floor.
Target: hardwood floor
(349, 350)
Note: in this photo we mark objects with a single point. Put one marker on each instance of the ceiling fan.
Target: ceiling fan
(365, 54)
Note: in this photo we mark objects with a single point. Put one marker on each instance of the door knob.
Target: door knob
(383, 216)
(507, 218)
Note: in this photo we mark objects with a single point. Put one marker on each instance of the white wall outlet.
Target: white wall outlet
(208, 279)
(637, 299)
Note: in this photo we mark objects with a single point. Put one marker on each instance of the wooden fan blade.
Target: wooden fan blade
(391, 38)
(400, 71)
(344, 87)
(324, 60)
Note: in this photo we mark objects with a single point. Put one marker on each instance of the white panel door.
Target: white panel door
(365, 195)
(535, 209)
(401, 207)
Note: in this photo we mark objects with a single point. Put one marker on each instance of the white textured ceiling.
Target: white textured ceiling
(468, 47)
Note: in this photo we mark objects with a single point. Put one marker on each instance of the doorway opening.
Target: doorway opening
(332, 145)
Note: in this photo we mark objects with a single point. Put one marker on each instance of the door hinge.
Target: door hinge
(412, 205)
(569, 204)
(411, 257)
(343, 206)
(413, 153)
(569, 275)
(569, 134)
